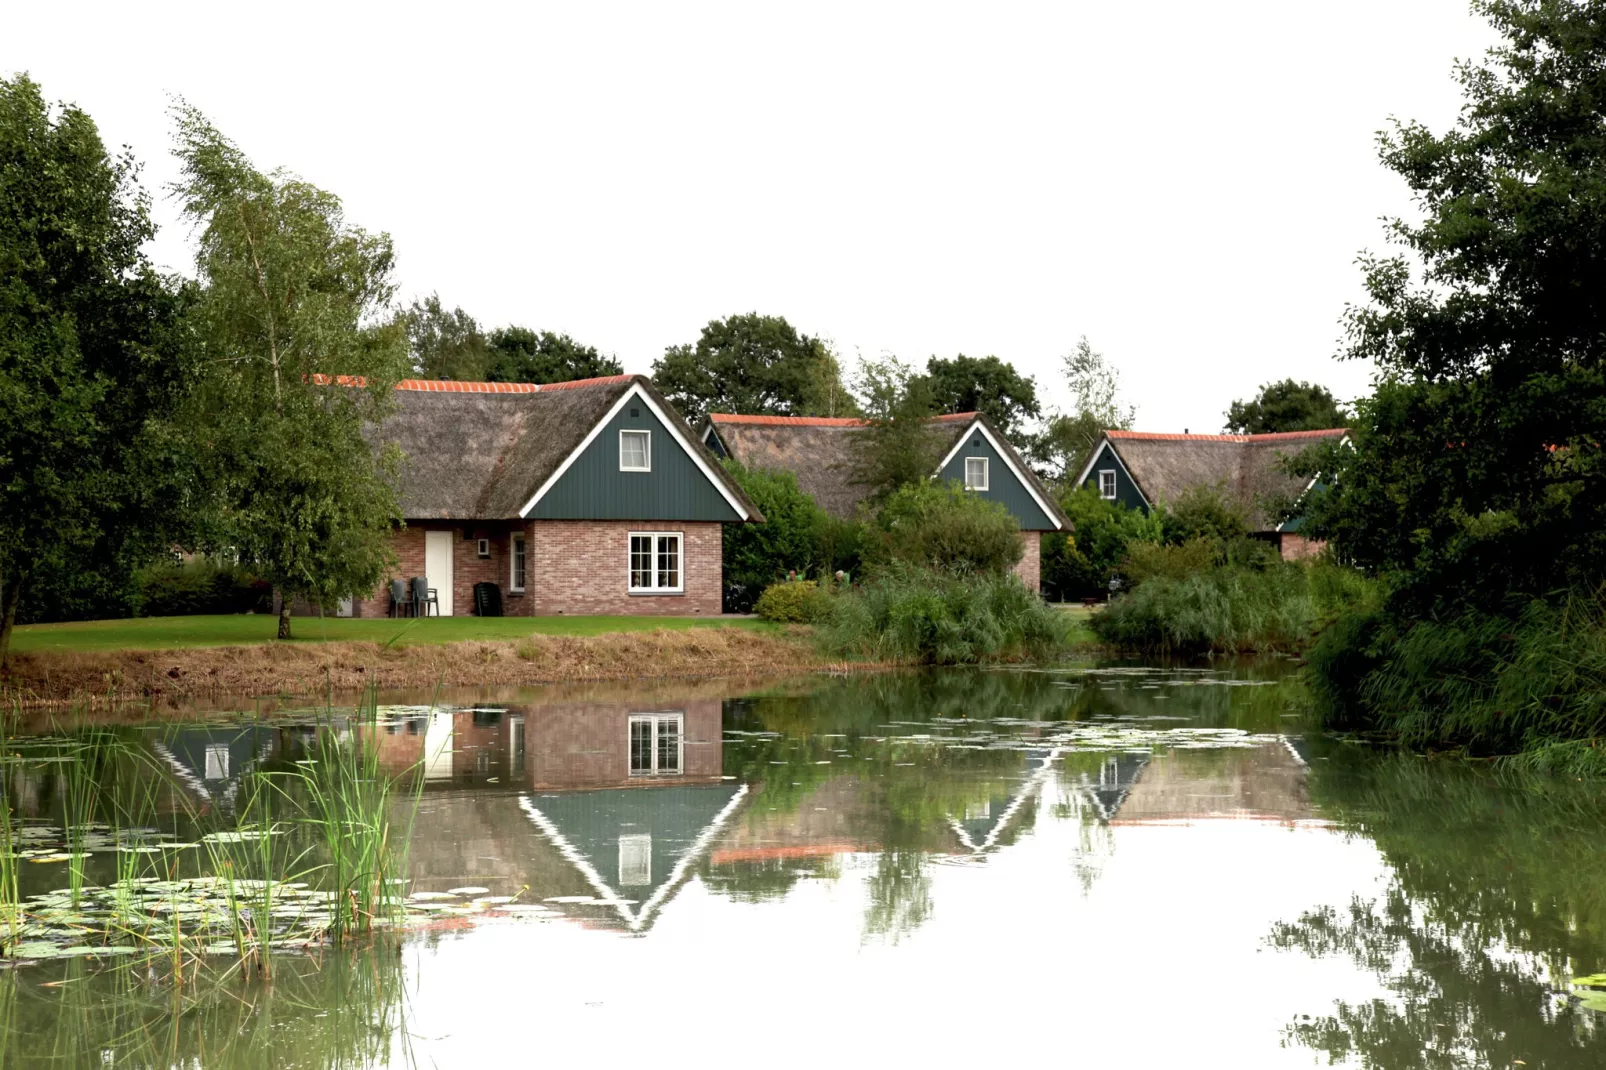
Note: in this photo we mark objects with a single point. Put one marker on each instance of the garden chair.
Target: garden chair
(401, 602)
(425, 596)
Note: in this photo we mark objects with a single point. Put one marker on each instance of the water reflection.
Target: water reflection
(871, 841)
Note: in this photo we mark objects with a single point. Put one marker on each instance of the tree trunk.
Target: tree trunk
(284, 616)
(10, 595)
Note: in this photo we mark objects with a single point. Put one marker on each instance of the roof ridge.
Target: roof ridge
(1270, 436)
(460, 386)
(818, 421)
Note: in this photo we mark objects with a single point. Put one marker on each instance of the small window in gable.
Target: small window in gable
(635, 451)
(975, 473)
(517, 579)
(1107, 484)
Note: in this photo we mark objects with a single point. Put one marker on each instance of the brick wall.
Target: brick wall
(571, 567)
(1030, 569)
(587, 745)
(582, 567)
(1297, 547)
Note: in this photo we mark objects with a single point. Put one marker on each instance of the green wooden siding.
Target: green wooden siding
(1126, 491)
(1002, 485)
(593, 488)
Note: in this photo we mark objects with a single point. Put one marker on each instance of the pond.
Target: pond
(1122, 863)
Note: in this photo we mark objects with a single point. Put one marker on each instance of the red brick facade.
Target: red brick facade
(571, 567)
(1297, 547)
(1030, 569)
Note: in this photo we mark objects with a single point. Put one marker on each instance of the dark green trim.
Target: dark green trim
(1126, 491)
(1003, 486)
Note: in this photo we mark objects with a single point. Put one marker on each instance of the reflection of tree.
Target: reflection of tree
(900, 894)
(1498, 895)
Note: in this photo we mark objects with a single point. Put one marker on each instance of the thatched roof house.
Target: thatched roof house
(1141, 469)
(590, 496)
(819, 452)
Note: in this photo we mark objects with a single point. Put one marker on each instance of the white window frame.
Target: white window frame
(986, 480)
(1114, 485)
(635, 848)
(517, 548)
(656, 720)
(657, 538)
(217, 761)
(646, 450)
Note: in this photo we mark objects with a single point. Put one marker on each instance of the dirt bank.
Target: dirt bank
(314, 669)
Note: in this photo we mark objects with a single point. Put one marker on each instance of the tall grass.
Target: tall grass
(1533, 681)
(941, 619)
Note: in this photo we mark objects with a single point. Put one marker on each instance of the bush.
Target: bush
(939, 527)
(1204, 512)
(796, 536)
(1227, 610)
(1532, 680)
(943, 618)
(201, 586)
(1149, 560)
(793, 602)
(1081, 565)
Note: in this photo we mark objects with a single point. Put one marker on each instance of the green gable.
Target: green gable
(593, 487)
(1126, 491)
(1002, 484)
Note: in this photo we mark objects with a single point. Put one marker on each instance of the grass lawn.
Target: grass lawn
(171, 633)
(1080, 633)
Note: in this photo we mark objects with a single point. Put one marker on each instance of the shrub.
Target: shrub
(939, 527)
(201, 586)
(943, 618)
(793, 602)
(1204, 512)
(790, 539)
(1148, 560)
(1227, 609)
(1081, 565)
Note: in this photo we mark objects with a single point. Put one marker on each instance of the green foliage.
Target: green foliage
(1066, 443)
(1492, 683)
(520, 355)
(94, 363)
(1287, 406)
(295, 297)
(941, 527)
(1204, 512)
(1081, 565)
(897, 447)
(791, 539)
(201, 586)
(753, 364)
(986, 385)
(1174, 561)
(943, 618)
(446, 345)
(794, 602)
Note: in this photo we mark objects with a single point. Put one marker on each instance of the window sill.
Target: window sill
(515, 594)
(657, 594)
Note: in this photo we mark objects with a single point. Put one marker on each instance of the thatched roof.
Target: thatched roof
(819, 451)
(1246, 467)
(480, 451)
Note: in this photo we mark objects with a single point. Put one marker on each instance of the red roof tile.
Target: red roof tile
(1279, 436)
(817, 421)
(454, 386)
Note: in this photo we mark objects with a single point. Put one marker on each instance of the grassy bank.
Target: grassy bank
(315, 668)
(239, 629)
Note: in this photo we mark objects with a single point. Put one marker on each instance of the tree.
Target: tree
(1286, 406)
(757, 555)
(1080, 565)
(446, 345)
(1477, 470)
(986, 385)
(520, 355)
(303, 355)
(1068, 440)
(93, 358)
(941, 527)
(896, 447)
(753, 364)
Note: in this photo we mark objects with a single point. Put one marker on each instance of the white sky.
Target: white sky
(1187, 184)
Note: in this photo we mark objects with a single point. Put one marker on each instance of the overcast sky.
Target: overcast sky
(1187, 184)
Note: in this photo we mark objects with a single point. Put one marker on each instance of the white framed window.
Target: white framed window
(657, 744)
(517, 576)
(482, 548)
(217, 761)
(635, 451)
(1107, 483)
(635, 860)
(655, 563)
(975, 473)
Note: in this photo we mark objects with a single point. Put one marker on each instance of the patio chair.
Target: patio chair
(401, 602)
(425, 596)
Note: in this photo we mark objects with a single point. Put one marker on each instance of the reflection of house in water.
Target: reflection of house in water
(1105, 790)
(1264, 783)
(987, 823)
(211, 761)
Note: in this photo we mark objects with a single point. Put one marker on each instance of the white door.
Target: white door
(438, 567)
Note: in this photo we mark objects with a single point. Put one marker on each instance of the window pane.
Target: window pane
(669, 745)
(669, 561)
(975, 473)
(640, 745)
(1107, 484)
(640, 562)
(518, 562)
(633, 449)
(635, 860)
